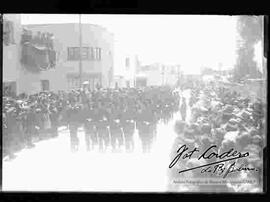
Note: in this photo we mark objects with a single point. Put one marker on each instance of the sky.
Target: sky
(193, 41)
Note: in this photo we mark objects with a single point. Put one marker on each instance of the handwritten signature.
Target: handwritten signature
(220, 169)
(219, 165)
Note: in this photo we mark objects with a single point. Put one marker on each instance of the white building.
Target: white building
(158, 74)
(119, 82)
(97, 58)
(11, 54)
(127, 63)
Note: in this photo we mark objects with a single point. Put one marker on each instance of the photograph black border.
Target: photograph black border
(136, 7)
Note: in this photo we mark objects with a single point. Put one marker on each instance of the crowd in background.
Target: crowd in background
(228, 120)
(40, 39)
(37, 52)
(108, 117)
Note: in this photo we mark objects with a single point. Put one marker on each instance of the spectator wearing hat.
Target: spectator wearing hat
(115, 127)
(73, 123)
(128, 124)
(11, 131)
(102, 122)
(54, 117)
(90, 129)
(179, 127)
(183, 109)
(31, 123)
(227, 113)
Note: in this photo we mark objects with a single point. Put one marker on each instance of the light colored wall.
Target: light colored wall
(120, 81)
(11, 53)
(130, 73)
(156, 78)
(67, 35)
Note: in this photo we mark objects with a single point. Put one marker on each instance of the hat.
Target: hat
(257, 106)
(243, 139)
(194, 125)
(32, 106)
(257, 139)
(245, 115)
(253, 131)
(206, 128)
(189, 132)
(19, 101)
(219, 133)
(226, 145)
(11, 109)
(25, 107)
(206, 140)
(228, 109)
(38, 110)
(231, 127)
(234, 121)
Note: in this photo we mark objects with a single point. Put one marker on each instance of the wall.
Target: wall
(67, 35)
(120, 81)
(11, 53)
(156, 76)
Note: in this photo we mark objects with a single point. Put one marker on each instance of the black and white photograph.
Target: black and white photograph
(134, 103)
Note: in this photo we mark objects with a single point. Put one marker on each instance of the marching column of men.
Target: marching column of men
(109, 117)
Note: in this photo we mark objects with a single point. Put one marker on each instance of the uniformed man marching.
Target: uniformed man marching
(128, 119)
(30, 123)
(90, 128)
(145, 127)
(183, 109)
(73, 114)
(115, 127)
(102, 122)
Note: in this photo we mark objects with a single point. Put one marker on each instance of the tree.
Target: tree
(250, 31)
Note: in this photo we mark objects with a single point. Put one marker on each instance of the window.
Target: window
(88, 53)
(73, 83)
(85, 53)
(128, 84)
(10, 88)
(92, 55)
(127, 63)
(173, 71)
(96, 53)
(73, 53)
(99, 53)
(45, 85)
(8, 32)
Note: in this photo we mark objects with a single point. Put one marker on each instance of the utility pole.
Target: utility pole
(220, 68)
(80, 59)
(163, 69)
(137, 69)
(178, 75)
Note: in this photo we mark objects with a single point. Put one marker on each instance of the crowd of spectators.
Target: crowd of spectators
(228, 120)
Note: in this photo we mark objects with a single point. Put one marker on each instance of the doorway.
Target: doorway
(10, 89)
(45, 85)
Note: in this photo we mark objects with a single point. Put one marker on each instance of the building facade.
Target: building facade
(11, 52)
(96, 64)
(97, 55)
(158, 74)
(131, 63)
(127, 63)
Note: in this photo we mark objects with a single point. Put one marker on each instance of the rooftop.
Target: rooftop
(62, 24)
